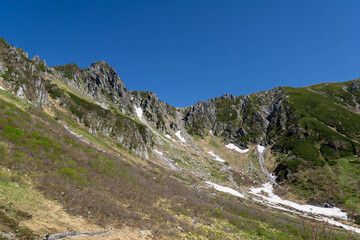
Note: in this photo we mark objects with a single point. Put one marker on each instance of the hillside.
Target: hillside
(81, 153)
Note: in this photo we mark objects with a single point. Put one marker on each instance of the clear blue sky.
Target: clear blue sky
(190, 50)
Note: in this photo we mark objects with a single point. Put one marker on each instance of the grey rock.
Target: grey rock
(21, 91)
(36, 59)
(3, 69)
(8, 235)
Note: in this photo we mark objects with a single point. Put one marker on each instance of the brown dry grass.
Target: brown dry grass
(49, 217)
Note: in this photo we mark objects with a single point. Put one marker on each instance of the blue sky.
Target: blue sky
(186, 51)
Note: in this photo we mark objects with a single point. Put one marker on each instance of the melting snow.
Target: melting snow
(233, 147)
(180, 137)
(158, 152)
(217, 158)
(274, 201)
(272, 198)
(139, 113)
(225, 189)
(168, 136)
(339, 224)
(260, 148)
(2, 88)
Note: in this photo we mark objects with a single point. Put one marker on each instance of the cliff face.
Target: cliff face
(242, 119)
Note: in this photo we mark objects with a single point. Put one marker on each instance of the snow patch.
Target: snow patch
(225, 189)
(158, 152)
(339, 224)
(233, 147)
(260, 148)
(2, 88)
(178, 134)
(217, 158)
(273, 198)
(139, 113)
(168, 136)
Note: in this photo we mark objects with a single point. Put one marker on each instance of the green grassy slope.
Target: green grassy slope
(321, 145)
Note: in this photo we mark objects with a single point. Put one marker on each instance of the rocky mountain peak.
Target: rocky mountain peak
(105, 77)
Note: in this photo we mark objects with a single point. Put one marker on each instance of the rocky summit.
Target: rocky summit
(82, 156)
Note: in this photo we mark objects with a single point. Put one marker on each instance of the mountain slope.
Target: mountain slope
(120, 157)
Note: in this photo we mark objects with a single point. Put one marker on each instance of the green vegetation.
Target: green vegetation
(314, 121)
(227, 115)
(4, 43)
(307, 103)
(336, 92)
(88, 106)
(214, 144)
(10, 217)
(41, 67)
(320, 134)
(226, 112)
(12, 133)
(347, 171)
(69, 69)
(223, 103)
(8, 73)
(196, 129)
(54, 91)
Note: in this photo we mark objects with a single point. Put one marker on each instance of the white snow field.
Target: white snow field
(233, 147)
(178, 134)
(274, 201)
(273, 198)
(319, 213)
(225, 189)
(217, 158)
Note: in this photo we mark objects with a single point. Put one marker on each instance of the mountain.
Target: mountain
(81, 154)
